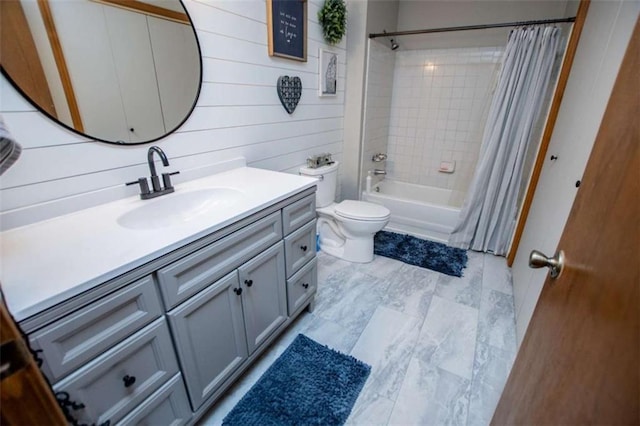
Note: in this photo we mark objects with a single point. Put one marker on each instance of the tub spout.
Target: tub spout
(379, 172)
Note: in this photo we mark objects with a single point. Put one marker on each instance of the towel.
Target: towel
(9, 149)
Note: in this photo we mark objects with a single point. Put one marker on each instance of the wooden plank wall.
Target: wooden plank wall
(238, 115)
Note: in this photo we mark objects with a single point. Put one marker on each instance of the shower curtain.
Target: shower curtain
(488, 215)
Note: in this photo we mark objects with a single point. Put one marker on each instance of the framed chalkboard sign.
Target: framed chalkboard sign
(287, 26)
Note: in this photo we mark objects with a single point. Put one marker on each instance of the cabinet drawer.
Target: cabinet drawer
(167, 406)
(297, 214)
(189, 275)
(76, 339)
(301, 286)
(119, 380)
(300, 247)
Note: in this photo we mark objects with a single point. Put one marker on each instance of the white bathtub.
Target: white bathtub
(417, 210)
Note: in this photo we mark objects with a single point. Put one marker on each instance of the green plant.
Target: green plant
(333, 18)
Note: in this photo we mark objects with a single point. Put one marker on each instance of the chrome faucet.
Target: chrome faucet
(156, 188)
(379, 172)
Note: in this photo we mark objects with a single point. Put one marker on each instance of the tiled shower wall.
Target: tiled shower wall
(377, 109)
(438, 109)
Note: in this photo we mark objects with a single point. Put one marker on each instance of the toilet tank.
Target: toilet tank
(327, 179)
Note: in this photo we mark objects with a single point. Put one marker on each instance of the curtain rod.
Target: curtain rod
(471, 27)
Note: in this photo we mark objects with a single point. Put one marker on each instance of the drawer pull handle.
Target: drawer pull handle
(238, 291)
(303, 248)
(248, 283)
(305, 285)
(128, 380)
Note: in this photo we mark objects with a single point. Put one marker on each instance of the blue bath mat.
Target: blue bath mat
(309, 384)
(414, 251)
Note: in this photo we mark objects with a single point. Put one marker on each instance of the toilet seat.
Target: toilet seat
(361, 210)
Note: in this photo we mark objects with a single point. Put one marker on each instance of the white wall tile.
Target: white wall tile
(439, 103)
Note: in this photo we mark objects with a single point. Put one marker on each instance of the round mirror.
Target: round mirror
(118, 71)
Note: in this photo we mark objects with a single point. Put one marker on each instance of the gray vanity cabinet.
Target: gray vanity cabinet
(123, 377)
(77, 339)
(167, 406)
(302, 285)
(216, 330)
(300, 247)
(264, 295)
(209, 336)
(216, 303)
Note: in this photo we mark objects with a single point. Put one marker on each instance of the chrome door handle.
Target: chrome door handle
(540, 260)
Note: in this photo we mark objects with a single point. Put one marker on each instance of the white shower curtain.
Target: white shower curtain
(488, 216)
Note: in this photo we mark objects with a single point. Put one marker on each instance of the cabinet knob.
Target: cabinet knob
(248, 283)
(238, 291)
(305, 285)
(303, 248)
(128, 380)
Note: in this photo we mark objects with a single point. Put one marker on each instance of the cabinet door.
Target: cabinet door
(208, 331)
(264, 298)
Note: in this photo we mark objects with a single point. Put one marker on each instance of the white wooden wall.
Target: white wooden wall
(238, 115)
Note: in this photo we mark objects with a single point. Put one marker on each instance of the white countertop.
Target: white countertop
(48, 262)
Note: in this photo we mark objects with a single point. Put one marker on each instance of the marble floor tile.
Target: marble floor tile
(410, 290)
(431, 396)
(440, 347)
(328, 265)
(370, 409)
(382, 267)
(466, 289)
(448, 337)
(328, 333)
(386, 344)
(496, 275)
(349, 298)
(496, 320)
(490, 371)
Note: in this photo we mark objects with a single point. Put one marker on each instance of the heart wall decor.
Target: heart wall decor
(289, 92)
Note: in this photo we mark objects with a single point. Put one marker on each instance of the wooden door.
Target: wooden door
(25, 397)
(579, 362)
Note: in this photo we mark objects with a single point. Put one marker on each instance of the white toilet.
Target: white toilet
(346, 229)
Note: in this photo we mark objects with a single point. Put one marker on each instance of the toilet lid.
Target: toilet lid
(362, 210)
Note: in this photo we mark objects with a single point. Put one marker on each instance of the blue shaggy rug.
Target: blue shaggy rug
(309, 384)
(414, 251)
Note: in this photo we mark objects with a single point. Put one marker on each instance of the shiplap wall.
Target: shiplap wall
(238, 114)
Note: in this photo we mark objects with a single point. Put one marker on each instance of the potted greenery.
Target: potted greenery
(333, 18)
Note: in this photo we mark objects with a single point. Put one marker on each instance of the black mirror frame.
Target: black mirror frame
(120, 143)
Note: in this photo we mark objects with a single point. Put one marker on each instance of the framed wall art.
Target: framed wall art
(287, 28)
(328, 73)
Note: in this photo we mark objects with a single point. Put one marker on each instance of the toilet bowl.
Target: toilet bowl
(346, 229)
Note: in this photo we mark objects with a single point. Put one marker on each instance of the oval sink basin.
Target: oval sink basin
(178, 208)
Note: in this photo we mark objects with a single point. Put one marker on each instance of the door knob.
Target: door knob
(540, 260)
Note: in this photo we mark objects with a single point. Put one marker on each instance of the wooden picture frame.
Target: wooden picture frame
(287, 29)
(327, 73)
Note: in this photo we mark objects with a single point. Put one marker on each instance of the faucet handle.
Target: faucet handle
(144, 185)
(166, 179)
